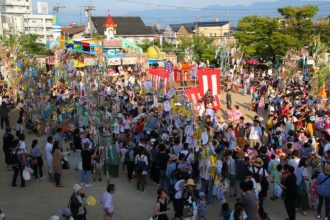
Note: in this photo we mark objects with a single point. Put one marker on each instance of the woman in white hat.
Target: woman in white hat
(77, 203)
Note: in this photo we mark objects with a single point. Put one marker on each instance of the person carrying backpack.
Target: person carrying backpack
(260, 175)
(141, 169)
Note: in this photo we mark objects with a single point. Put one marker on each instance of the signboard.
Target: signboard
(129, 60)
(42, 8)
(114, 61)
(112, 43)
(89, 61)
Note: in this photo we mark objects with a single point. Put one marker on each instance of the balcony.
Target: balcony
(16, 3)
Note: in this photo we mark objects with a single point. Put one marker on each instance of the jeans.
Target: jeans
(327, 205)
(154, 172)
(6, 120)
(57, 178)
(130, 169)
(37, 168)
(86, 177)
(163, 180)
(18, 169)
(77, 158)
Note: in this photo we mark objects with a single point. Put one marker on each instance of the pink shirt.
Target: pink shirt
(230, 115)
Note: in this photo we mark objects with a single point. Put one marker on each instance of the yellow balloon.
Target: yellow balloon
(91, 201)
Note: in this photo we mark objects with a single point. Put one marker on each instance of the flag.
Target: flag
(209, 79)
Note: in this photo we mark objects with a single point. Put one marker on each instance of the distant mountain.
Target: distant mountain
(234, 13)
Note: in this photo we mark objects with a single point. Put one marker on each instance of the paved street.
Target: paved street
(40, 200)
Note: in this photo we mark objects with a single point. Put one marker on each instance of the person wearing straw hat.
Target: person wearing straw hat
(260, 175)
(77, 203)
(323, 181)
(190, 198)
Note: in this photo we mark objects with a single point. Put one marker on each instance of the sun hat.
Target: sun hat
(258, 162)
(190, 182)
(326, 169)
(76, 188)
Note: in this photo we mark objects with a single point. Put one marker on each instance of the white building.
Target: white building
(40, 25)
(16, 18)
(12, 14)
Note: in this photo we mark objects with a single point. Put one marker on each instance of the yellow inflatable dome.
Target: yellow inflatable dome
(153, 52)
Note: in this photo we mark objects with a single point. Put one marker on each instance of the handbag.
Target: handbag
(188, 211)
(26, 175)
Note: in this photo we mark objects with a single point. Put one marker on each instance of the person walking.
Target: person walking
(107, 202)
(141, 164)
(19, 161)
(77, 203)
(77, 146)
(4, 114)
(161, 210)
(57, 162)
(323, 190)
(290, 193)
(302, 191)
(37, 161)
(86, 156)
(8, 144)
(228, 98)
(49, 157)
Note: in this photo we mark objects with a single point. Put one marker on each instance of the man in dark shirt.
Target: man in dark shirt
(290, 188)
(163, 158)
(8, 144)
(86, 156)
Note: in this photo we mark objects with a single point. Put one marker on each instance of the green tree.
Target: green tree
(263, 37)
(30, 44)
(323, 29)
(201, 47)
(298, 23)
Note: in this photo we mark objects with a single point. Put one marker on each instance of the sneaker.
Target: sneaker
(88, 185)
(60, 186)
(318, 217)
(42, 178)
(326, 218)
(81, 184)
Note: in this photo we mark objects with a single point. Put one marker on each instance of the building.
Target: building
(40, 25)
(216, 29)
(74, 31)
(12, 14)
(131, 28)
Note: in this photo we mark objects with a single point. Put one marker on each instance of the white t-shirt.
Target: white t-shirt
(21, 148)
(48, 149)
(294, 162)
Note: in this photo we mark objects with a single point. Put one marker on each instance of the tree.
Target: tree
(201, 47)
(323, 29)
(299, 24)
(263, 37)
(30, 44)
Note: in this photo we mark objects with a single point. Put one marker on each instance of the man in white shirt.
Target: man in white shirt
(107, 202)
(49, 156)
(255, 133)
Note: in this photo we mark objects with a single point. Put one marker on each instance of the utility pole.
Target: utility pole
(89, 13)
(56, 8)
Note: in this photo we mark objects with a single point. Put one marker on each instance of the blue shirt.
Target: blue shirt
(323, 188)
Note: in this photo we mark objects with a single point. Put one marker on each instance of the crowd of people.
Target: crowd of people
(123, 125)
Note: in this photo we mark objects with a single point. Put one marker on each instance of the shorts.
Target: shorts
(50, 165)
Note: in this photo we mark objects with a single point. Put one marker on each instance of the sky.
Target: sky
(73, 10)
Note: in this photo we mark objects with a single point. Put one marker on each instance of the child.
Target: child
(225, 211)
(201, 207)
(276, 177)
